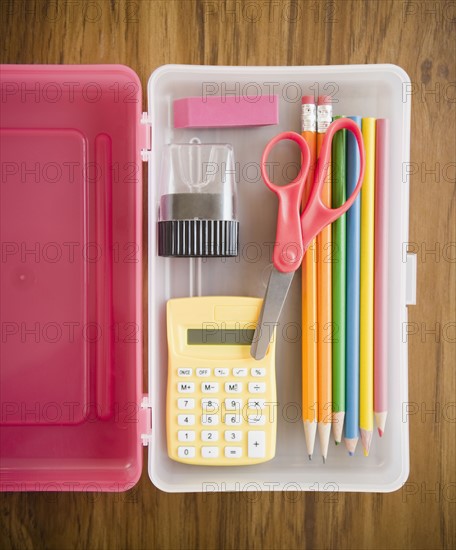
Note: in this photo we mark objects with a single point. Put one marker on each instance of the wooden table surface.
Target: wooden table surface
(418, 36)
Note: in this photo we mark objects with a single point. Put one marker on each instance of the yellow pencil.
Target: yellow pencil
(366, 350)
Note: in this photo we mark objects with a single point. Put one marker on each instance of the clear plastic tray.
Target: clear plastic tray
(367, 90)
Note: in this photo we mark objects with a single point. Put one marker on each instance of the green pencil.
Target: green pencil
(339, 195)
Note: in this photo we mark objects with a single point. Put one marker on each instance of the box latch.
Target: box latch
(410, 279)
(145, 128)
(145, 415)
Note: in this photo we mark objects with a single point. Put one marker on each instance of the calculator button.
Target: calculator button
(257, 444)
(257, 420)
(233, 435)
(233, 387)
(184, 372)
(209, 452)
(186, 419)
(233, 404)
(183, 435)
(210, 405)
(256, 403)
(257, 372)
(233, 452)
(257, 387)
(203, 372)
(186, 452)
(233, 419)
(209, 419)
(239, 372)
(184, 404)
(185, 387)
(209, 387)
(221, 372)
(207, 435)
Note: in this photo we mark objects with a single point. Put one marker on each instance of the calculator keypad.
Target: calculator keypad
(223, 415)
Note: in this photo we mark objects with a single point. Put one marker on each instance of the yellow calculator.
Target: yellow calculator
(221, 403)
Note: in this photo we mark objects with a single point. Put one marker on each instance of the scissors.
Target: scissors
(295, 230)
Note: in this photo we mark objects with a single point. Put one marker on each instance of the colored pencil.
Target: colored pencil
(366, 346)
(324, 334)
(381, 277)
(338, 197)
(352, 285)
(309, 291)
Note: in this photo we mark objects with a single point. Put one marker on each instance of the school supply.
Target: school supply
(366, 349)
(220, 402)
(325, 328)
(197, 205)
(209, 111)
(352, 319)
(295, 231)
(309, 290)
(381, 276)
(338, 196)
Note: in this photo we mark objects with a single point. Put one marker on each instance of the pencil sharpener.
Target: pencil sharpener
(197, 215)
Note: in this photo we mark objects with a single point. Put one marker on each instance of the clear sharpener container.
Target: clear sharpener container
(197, 203)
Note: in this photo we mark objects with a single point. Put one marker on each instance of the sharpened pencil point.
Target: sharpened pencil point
(338, 425)
(324, 460)
(337, 442)
(310, 430)
(380, 421)
(366, 440)
(351, 443)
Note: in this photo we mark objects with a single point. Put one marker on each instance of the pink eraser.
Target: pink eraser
(220, 111)
(308, 100)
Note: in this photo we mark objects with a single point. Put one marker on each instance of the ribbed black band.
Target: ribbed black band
(198, 238)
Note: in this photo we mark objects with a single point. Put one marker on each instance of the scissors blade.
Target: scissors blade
(276, 293)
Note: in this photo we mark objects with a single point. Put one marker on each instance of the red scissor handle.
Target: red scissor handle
(288, 249)
(316, 215)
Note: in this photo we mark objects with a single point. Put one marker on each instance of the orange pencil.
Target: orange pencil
(309, 292)
(324, 304)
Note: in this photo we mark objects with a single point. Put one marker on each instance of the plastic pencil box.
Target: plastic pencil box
(74, 413)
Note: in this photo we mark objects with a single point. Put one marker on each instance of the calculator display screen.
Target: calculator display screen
(219, 337)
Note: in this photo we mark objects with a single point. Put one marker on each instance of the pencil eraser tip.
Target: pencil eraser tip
(306, 99)
(324, 100)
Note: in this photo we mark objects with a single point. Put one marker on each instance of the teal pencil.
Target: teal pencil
(339, 195)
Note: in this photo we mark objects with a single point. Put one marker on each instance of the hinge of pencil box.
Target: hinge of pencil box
(145, 420)
(145, 128)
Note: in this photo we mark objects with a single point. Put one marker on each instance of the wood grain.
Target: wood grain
(418, 36)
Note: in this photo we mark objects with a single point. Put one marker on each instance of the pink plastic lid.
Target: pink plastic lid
(70, 307)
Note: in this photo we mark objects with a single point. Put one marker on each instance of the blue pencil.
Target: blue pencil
(352, 311)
